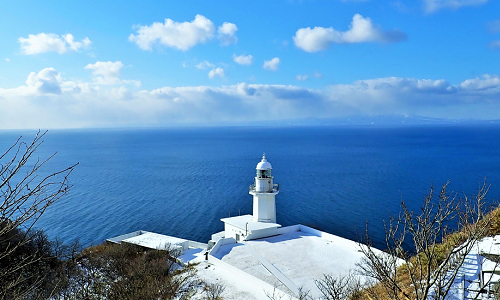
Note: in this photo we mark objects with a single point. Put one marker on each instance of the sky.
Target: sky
(88, 64)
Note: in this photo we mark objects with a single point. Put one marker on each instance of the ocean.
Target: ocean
(182, 181)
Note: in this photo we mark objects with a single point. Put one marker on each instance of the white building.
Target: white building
(263, 221)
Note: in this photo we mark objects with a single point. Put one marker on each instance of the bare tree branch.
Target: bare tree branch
(429, 270)
(24, 197)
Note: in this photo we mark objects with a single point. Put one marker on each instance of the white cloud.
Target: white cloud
(75, 46)
(204, 64)
(301, 77)
(49, 101)
(7, 59)
(486, 82)
(318, 74)
(47, 81)
(316, 39)
(495, 44)
(216, 72)
(272, 64)
(108, 73)
(361, 30)
(431, 6)
(227, 33)
(105, 68)
(245, 60)
(494, 26)
(43, 42)
(182, 36)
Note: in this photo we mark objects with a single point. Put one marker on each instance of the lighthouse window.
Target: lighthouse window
(264, 173)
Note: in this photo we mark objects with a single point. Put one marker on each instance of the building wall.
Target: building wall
(234, 232)
(258, 234)
(241, 235)
(221, 243)
(264, 207)
(263, 184)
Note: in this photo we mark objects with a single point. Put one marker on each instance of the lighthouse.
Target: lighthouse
(263, 221)
(264, 192)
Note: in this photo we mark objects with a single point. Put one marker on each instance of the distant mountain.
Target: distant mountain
(371, 120)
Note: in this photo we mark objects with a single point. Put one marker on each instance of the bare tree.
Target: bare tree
(25, 194)
(214, 291)
(303, 294)
(428, 270)
(340, 287)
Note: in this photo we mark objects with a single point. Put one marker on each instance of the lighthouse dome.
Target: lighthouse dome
(264, 164)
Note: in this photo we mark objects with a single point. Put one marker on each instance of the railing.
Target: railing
(276, 188)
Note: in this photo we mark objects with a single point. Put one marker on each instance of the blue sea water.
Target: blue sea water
(182, 181)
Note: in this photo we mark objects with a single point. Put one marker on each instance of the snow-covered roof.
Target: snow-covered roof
(242, 221)
(290, 260)
(263, 164)
(154, 240)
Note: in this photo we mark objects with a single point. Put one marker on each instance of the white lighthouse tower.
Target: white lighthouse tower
(263, 221)
(264, 192)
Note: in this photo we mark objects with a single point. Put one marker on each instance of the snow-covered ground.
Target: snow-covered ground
(287, 261)
(237, 285)
(251, 269)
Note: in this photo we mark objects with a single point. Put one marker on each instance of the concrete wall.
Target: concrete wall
(220, 243)
(257, 234)
(230, 231)
(193, 244)
(120, 238)
(217, 236)
(288, 229)
(264, 207)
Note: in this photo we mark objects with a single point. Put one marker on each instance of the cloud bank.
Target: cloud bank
(49, 101)
(361, 30)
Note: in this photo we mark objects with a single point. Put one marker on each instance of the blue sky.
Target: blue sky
(162, 63)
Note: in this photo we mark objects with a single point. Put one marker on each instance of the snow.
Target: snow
(192, 254)
(154, 240)
(281, 264)
(291, 260)
(237, 286)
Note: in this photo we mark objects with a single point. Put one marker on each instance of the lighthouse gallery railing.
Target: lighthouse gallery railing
(276, 188)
